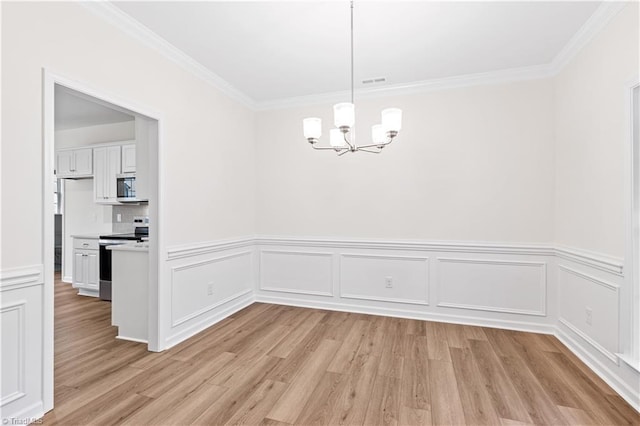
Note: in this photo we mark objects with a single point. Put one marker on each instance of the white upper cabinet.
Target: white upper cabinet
(74, 163)
(106, 165)
(129, 158)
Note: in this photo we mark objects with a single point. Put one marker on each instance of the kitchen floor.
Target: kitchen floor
(279, 365)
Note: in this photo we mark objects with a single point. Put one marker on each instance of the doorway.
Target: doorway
(147, 141)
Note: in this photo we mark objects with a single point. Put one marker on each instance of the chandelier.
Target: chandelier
(341, 139)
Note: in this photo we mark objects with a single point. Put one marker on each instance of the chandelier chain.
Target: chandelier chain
(352, 80)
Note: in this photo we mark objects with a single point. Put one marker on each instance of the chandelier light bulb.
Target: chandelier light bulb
(312, 128)
(336, 138)
(344, 115)
(378, 135)
(391, 120)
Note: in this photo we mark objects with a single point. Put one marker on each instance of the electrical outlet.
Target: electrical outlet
(589, 312)
(118, 217)
(388, 282)
(210, 289)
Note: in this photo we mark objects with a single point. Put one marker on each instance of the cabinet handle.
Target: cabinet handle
(85, 244)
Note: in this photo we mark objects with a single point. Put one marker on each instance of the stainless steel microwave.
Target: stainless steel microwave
(126, 187)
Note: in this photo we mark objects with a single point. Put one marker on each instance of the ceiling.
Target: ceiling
(274, 50)
(74, 109)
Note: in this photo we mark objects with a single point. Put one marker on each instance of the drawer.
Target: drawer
(86, 243)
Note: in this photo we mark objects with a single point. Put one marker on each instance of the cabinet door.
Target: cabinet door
(92, 269)
(113, 169)
(83, 162)
(79, 269)
(64, 163)
(129, 158)
(99, 174)
(106, 165)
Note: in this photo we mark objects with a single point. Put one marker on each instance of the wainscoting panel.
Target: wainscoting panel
(12, 318)
(198, 287)
(387, 278)
(516, 287)
(301, 272)
(21, 307)
(589, 307)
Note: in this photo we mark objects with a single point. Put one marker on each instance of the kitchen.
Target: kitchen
(101, 185)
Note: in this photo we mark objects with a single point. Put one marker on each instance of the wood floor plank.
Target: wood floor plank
(414, 417)
(476, 402)
(384, 406)
(258, 404)
(321, 404)
(347, 352)
(446, 406)
(288, 407)
(382, 371)
(351, 407)
(503, 394)
(539, 405)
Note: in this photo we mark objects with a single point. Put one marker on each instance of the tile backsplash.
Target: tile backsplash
(127, 213)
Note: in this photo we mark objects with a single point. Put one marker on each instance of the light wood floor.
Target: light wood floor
(278, 365)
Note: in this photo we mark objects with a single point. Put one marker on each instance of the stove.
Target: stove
(141, 233)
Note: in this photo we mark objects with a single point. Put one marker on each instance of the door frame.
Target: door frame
(155, 339)
(630, 311)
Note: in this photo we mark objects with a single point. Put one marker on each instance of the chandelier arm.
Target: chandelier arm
(352, 146)
(343, 152)
(369, 150)
(377, 145)
(326, 148)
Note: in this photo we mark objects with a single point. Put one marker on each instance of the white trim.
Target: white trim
(27, 415)
(604, 351)
(543, 285)
(132, 339)
(205, 323)
(68, 280)
(631, 291)
(623, 389)
(409, 314)
(424, 260)
(442, 246)
(261, 285)
(49, 80)
(182, 320)
(534, 72)
(22, 337)
(595, 260)
(190, 250)
(116, 17)
(596, 22)
(591, 278)
(11, 279)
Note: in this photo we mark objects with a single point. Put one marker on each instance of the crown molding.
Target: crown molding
(456, 82)
(116, 17)
(596, 22)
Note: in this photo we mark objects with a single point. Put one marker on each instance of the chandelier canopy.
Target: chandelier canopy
(341, 138)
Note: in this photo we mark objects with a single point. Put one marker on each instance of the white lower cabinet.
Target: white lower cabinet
(86, 266)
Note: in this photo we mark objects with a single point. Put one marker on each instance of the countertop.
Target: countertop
(132, 246)
(87, 236)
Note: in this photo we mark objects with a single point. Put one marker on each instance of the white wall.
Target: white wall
(591, 132)
(590, 138)
(473, 164)
(206, 151)
(81, 216)
(81, 136)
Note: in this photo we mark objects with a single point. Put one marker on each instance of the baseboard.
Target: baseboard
(67, 279)
(612, 379)
(192, 330)
(409, 314)
(28, 415)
